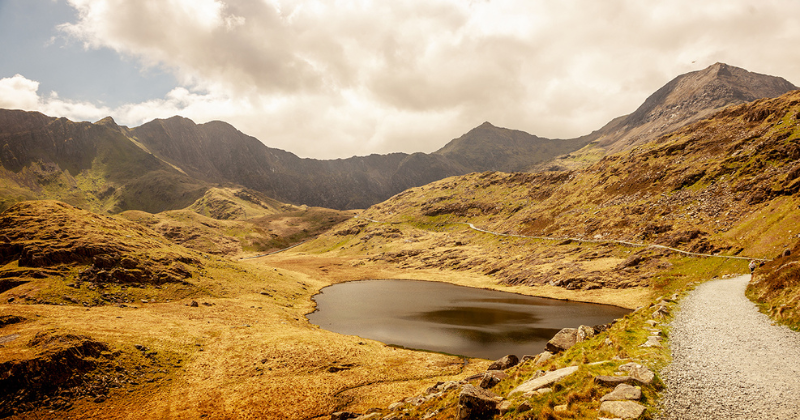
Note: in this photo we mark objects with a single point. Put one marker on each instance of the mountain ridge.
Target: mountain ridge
(179, 160)
(685, 99)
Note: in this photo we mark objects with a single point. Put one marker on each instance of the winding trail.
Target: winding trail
(729, 361)
(567, 238)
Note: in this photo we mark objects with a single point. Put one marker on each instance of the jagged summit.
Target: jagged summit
(686, 99)
(491, 148)
(107, 121)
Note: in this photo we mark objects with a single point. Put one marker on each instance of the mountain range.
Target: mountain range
(169, 163)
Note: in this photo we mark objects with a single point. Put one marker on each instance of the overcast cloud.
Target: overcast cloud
(331, 79)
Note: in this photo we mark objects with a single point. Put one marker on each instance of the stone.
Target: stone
(492, 378)
(543, 357)
(622, 409)
(476, 403)
(434, 389)
(560, 408)
(504, 407)
(639, 373)
(661, 312)
(563, 340)
(623, 392)
(194, 304)
(652, 341)
(613, 380)
(450, 385)
(584, 333)
(544, 381)
(504, 363)
(371, 416)
(343, 415)
(525, 406)
(396, 406)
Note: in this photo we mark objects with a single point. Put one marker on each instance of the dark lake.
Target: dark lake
(452, 319)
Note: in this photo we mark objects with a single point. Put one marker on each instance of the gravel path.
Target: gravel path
(729, 361)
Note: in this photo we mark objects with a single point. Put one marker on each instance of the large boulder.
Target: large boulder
(492, 378)
(623, 392)
(544, 381)
(638, 372)
(504, 363)
(476, 403)
(584, 333)
(563, 340)
(622, 409)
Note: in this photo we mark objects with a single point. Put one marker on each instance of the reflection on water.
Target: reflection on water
(522, 335)
(469, 315)
(452, 319)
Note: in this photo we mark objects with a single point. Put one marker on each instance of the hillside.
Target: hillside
(94, 166)
(217, 152)
(490, 148)
(127, 321)
(235, 222)
(727, 185)
(684, 100)
(168, 164)
(635, 229)
(102, 317)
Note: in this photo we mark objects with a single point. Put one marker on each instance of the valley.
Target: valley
(142, 278)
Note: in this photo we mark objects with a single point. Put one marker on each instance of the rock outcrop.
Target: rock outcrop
(544, 381)
(476, 403)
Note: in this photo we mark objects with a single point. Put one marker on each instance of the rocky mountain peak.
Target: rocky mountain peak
(108, 121)
(686, 99)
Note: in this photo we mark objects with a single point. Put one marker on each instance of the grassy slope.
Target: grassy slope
(776, 288)
(726, 186)
(245, 351)
(237, 222)
(720, 186)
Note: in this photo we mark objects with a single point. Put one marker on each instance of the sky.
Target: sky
(333, 79)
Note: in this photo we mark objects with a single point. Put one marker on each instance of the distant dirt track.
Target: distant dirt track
(615, 241)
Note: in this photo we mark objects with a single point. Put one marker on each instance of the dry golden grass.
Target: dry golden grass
(260, 358)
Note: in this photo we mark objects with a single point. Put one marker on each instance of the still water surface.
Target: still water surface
(452, 319)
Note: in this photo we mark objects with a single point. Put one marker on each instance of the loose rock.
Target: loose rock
(543, 381)
(585, 333)
(563, 340)
(492, 378)
(343, 415)
(638, 372)
(623, 392)
(652, 341)
(476, 403)
(622, 409)
(504, 363)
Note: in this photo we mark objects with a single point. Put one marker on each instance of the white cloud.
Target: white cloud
(334, 79)
(19, 92)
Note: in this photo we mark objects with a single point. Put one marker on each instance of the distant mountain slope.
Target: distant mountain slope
(168, 164)
(219, 153)
(686, 99)
(729, 184)
(490, 148)
(89, 165)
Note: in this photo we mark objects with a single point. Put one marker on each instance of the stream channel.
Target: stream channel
(451, 319)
